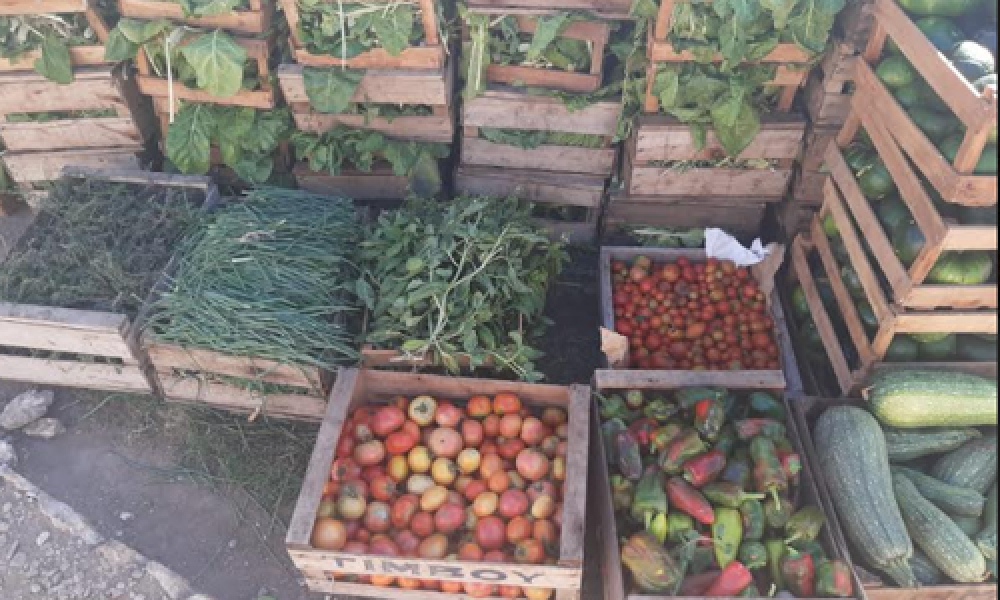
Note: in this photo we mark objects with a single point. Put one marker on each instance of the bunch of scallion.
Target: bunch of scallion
(271, 277)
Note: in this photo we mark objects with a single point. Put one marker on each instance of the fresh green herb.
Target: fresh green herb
(54, 35)
(270, 277)
(246, 138)
(343, 147)
(97, 245)
(345, 30)
(468, 278)
(533, 138)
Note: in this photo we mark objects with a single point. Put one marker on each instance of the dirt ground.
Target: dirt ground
(179, 485)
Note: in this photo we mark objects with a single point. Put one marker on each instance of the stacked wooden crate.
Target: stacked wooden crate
(96, 120)
(661, 187)
(932, 189)
(566, 182)
(420, 80)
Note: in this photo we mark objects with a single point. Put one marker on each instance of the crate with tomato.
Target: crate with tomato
(438, 487)
(683, 311)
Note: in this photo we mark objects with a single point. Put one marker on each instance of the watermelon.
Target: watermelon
(942, 32)
(896, 72)
(939, 350)
(962, 268)
(940, 8)
(903, 348)
(908, 241)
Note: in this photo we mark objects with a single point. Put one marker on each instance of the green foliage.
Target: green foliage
(246, 138)
(331, 90)
(54, 35)
(345, 147)
(533, 138)
(465, 278)
(704, 95)
(345, 30)
(210, 8)
(208, 61)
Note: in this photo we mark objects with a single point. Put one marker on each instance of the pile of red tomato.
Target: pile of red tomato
(431, 479)
(707, 315)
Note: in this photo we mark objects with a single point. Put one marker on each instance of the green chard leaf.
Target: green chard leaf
(118, 47)
(331, 90)
(546, 31)
(55, 63)
(208, 8)
(218, 62)
(392, 28)
(189, 139)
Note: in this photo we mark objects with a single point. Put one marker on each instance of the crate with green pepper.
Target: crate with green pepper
(702, 492)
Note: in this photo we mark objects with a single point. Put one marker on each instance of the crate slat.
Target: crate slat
(532, 185)
(568, 159)
(384, 86)
(34, 167)
(517, 110)
(68, 373)
(379, 184)
(662, 138)
(252, 20)
(430, 128)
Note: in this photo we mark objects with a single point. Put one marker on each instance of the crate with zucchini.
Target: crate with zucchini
(909, 475)
(702, 492)
(370, 134)
(929, 77)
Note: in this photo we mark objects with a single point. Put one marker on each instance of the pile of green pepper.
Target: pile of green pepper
(703, 486)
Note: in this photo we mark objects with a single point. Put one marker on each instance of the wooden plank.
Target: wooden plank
(160, 88)
(951, 321)
(566, 81)
(517, 110)
(223, 396)
(970, 237)
(166, 356)
(343, 589)
(574, 491)
(925, 296)
(80, 56)
(636, 379)
(431, 128)
(686, 213)
(68, 373)
(378, 87)
(249, 20)
(32, 167)
(766, 185)
(662, 138)
(380, 184)
(531, 185)
(597, 161)
(392, 383)
(39, 334)
(785, 53)
(33, 7)
(70, 134)
(427, 57)
(608, 9)
(200, 182)
(92, 89)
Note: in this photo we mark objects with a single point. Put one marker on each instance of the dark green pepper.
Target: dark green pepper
(776, 551)
(686, 446)
(766, 405)
(660, 409)
(688, 397)
(753, 555)
(650, 499)
(613, 407)
(752, 512)
(805, 524)
(679, 525)
(709, 416)
(729, 495)
(727, 534)
(726, 440)
(777, 512)
(609, 430)
(629, 457)
(622, 491)
(768, 475)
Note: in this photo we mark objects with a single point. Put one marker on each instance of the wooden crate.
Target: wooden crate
(92, 89)
(596, 33)
(258, 51)
(254, 19)
(378, 184)
(789, 59)
(430, 55)
(356, 388)
(29, 169)
(541, 187)
(805, 411)
(871, 350)
(854, 24)
(807, 190)
(977, 112)
(80, 56)
(606, 9)
(659, 139)
(763, 273)
(817, 139)
(827, 92)
(612, 573)
(197, 376)
(423, 87)
(112, 338)
(908, 284)
(684, 212)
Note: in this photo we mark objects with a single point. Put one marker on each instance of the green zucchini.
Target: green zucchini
(974, 465)
(914, 398)
(987, 538)
(909, 444)
(852, 457)
(938, 536)
(952, 499)
(925, 571)
(970, 526)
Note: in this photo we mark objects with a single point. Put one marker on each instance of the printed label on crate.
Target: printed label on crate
(335, 565)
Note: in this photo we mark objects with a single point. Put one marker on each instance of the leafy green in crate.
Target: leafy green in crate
(348, 29)
(534, 138)
(210, 8)
(246, 139)
(344, 148)
(468, 278)
(53, 34)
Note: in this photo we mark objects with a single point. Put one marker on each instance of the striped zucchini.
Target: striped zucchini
(974, 465)
(909, 444)
(908, 398)
(938, 536)
(925, 571)
(851, 451)
(952, 499)
(970, 526)
(987, 538)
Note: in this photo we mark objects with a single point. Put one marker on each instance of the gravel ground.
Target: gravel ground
(48, 551)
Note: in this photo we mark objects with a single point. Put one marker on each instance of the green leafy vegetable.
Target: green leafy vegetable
(209, 8)
(346, 30)
(52, 34)
(533, 138)
(331, 90)
(218, 62)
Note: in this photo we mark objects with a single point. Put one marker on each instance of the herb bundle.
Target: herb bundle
(271, 277)
(246, 138)
(97, 245)
(53, 34)
(464, 279)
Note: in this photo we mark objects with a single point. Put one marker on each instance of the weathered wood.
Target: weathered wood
(70, 134)
(430, 128)
(826, 94)
(532, 185)
(33, 7)
(748, 185)
(190, 389)
(518, 110)
(69, 373)
(92, 89)
(59, 330)
(165, 357)
(566, 159)
(32, 167)
(379, 184)
(662, 138)
(357, 388)
(663, 211)
(79, 56)
(430, 87)
(614, 9)
(252, 20)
